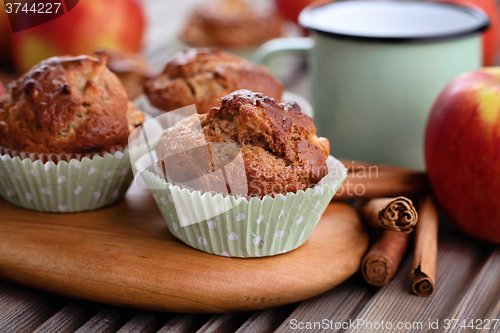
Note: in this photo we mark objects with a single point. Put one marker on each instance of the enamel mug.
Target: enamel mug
(377, 67)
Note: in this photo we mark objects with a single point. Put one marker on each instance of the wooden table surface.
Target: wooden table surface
(467, 281)
(124, 255)
(468, 287)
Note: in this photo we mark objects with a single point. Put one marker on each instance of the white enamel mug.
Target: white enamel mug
(377, 67)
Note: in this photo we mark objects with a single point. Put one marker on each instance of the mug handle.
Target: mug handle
(268, 50)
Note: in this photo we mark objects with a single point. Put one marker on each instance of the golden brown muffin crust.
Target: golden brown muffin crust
(71, 105)
(203, 76)
(280, 149)
(230, 24)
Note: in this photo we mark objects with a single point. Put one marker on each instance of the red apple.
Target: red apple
(291, 9)
(5, 39)
(90, 25)
(462, 152)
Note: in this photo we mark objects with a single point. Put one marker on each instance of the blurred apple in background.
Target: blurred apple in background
(5, 39)
(91, 25)
(291, 9)
(462, 152)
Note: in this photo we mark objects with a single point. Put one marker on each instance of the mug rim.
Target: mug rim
(483, 23)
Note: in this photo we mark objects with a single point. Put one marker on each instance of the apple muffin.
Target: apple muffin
(67, 105)
(64, 129)
(203, 76)
(278, 143)
(230, 24)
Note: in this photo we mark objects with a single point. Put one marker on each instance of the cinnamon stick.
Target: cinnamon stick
(366, 180)
(381, 262)
(426, 238)
(397, 214)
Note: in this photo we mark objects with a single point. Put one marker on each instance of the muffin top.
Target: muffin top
(278, 144)
(71, 105)
(230, 24)
(203, 76)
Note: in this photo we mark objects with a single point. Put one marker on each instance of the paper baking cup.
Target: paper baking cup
(65, 187)
(245, 52)
(243, 227)
(142, 103)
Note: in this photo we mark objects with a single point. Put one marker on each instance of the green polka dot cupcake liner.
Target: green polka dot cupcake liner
(243, 227)
(58, 185)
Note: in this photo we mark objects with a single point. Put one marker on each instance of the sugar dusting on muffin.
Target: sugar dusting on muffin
(71, 105)
(202, 76)
(280, 149)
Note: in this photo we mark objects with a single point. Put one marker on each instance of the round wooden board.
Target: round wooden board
(124, 255)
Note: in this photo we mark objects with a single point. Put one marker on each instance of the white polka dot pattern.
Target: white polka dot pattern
(65, 187)
(202, 241)
(228, 226)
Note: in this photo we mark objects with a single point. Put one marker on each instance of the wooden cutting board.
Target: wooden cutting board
(124, 255)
